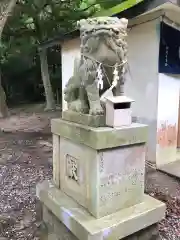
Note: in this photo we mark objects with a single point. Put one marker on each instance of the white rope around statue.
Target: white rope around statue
(99, 78)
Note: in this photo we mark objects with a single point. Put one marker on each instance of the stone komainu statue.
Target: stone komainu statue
(101, 66)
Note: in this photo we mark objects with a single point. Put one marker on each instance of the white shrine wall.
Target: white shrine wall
(168, 114)
(69, 51)
(142, 81)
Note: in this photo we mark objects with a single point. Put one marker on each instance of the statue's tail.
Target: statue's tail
(73, 82)
(68, 89)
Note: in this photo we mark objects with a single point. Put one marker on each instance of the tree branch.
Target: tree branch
(5, 11)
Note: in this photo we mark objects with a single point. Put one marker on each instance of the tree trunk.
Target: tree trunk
(50, 101)
(6, 7)
(3, 106)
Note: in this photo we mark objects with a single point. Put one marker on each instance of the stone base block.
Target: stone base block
(84, 226)
(103, 181)
(56, 230)
(102, 137)
(84, 119)
(172, 168)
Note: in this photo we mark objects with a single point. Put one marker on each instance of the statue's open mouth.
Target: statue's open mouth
(103, 31)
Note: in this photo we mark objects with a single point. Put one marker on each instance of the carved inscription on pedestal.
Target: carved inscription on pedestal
(121, 176)
(101, 164)
(72, 168)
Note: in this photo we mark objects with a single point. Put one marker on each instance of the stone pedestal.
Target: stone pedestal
(56, 230)
(98, 181)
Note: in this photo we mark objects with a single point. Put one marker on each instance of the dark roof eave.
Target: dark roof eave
(58, 40)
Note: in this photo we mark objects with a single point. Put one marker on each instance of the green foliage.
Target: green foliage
(108, 3)
(32, 22)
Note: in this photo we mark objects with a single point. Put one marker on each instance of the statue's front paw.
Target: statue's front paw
(79, 106)
(96, 110)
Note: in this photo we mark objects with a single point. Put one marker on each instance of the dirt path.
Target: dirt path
(26, 159)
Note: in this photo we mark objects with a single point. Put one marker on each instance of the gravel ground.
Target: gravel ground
(26, 159)
(166, 189)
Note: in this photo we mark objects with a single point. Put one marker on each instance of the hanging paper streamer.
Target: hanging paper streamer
(99, 77)
(116, 77)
